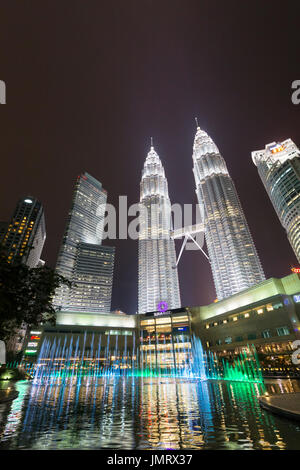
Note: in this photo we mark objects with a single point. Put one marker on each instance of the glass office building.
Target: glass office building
(279, 169)
(157, 274)
(234, 261)
(82, 259)
(93, 278)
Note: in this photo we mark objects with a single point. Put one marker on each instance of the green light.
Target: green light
(30, 351)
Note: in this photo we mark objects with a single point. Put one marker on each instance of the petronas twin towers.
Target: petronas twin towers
(233, 257)
(158, 280)
(234, 261)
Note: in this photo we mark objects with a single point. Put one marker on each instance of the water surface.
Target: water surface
(145, 413)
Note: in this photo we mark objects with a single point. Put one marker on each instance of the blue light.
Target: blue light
(296, 298)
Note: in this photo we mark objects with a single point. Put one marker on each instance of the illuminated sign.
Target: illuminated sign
(30, 351)
(162, 307)
(295, 270)
(34, 337)
(158, 314)
(32, 345)
(296, 298)
(277, 148)
(35, 332)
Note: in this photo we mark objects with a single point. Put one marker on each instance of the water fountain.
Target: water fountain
(63, 359)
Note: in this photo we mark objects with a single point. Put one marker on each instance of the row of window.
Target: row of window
(243, 315)
(281, 331)
(107, 332)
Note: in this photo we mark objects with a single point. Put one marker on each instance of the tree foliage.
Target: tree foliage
(26, 295)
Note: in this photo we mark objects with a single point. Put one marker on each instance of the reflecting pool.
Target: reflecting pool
(145, 413)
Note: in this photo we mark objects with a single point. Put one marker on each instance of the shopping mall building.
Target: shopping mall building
(266, 316)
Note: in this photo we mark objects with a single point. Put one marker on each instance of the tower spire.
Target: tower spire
(151, 139)
(196, 119)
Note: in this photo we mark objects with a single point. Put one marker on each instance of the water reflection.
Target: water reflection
(149, 413)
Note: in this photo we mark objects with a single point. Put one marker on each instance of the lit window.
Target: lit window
(180, 319)
(147, 322)
(266, 334)
(282, 331)
(163, 320)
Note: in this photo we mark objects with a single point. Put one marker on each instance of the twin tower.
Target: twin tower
(233, 257)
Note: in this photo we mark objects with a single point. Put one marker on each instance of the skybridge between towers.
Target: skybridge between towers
(188, 233)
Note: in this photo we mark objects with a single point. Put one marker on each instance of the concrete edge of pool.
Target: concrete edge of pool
(286, 405)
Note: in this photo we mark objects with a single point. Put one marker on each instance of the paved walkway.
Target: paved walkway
(8, 395)
(284, 404)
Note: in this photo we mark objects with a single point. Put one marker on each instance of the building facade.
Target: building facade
(157, 274)
(165, 339)
(234, 261)
(266, 316)
(82, 259)
(25, 235)
(22, 240)
(279, 169)
(93, 278)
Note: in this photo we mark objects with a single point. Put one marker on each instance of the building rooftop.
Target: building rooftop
(287, 285)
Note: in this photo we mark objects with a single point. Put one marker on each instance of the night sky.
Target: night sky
(88, 82)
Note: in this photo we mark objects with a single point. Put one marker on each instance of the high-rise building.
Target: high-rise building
(26, 233)
(279, 168)
(82, 259)
(93, 278)
(22, 240)
(234, 261)
(157, 276)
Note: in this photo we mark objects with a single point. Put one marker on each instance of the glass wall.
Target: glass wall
(165, 342)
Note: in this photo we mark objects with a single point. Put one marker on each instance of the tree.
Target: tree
(26, 296)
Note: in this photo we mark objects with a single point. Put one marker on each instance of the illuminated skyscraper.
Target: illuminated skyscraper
(93, 278)
(158, 277)
(82, 259)
(25, 235)
(234, 261)
(22, 240)
(279, 168)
